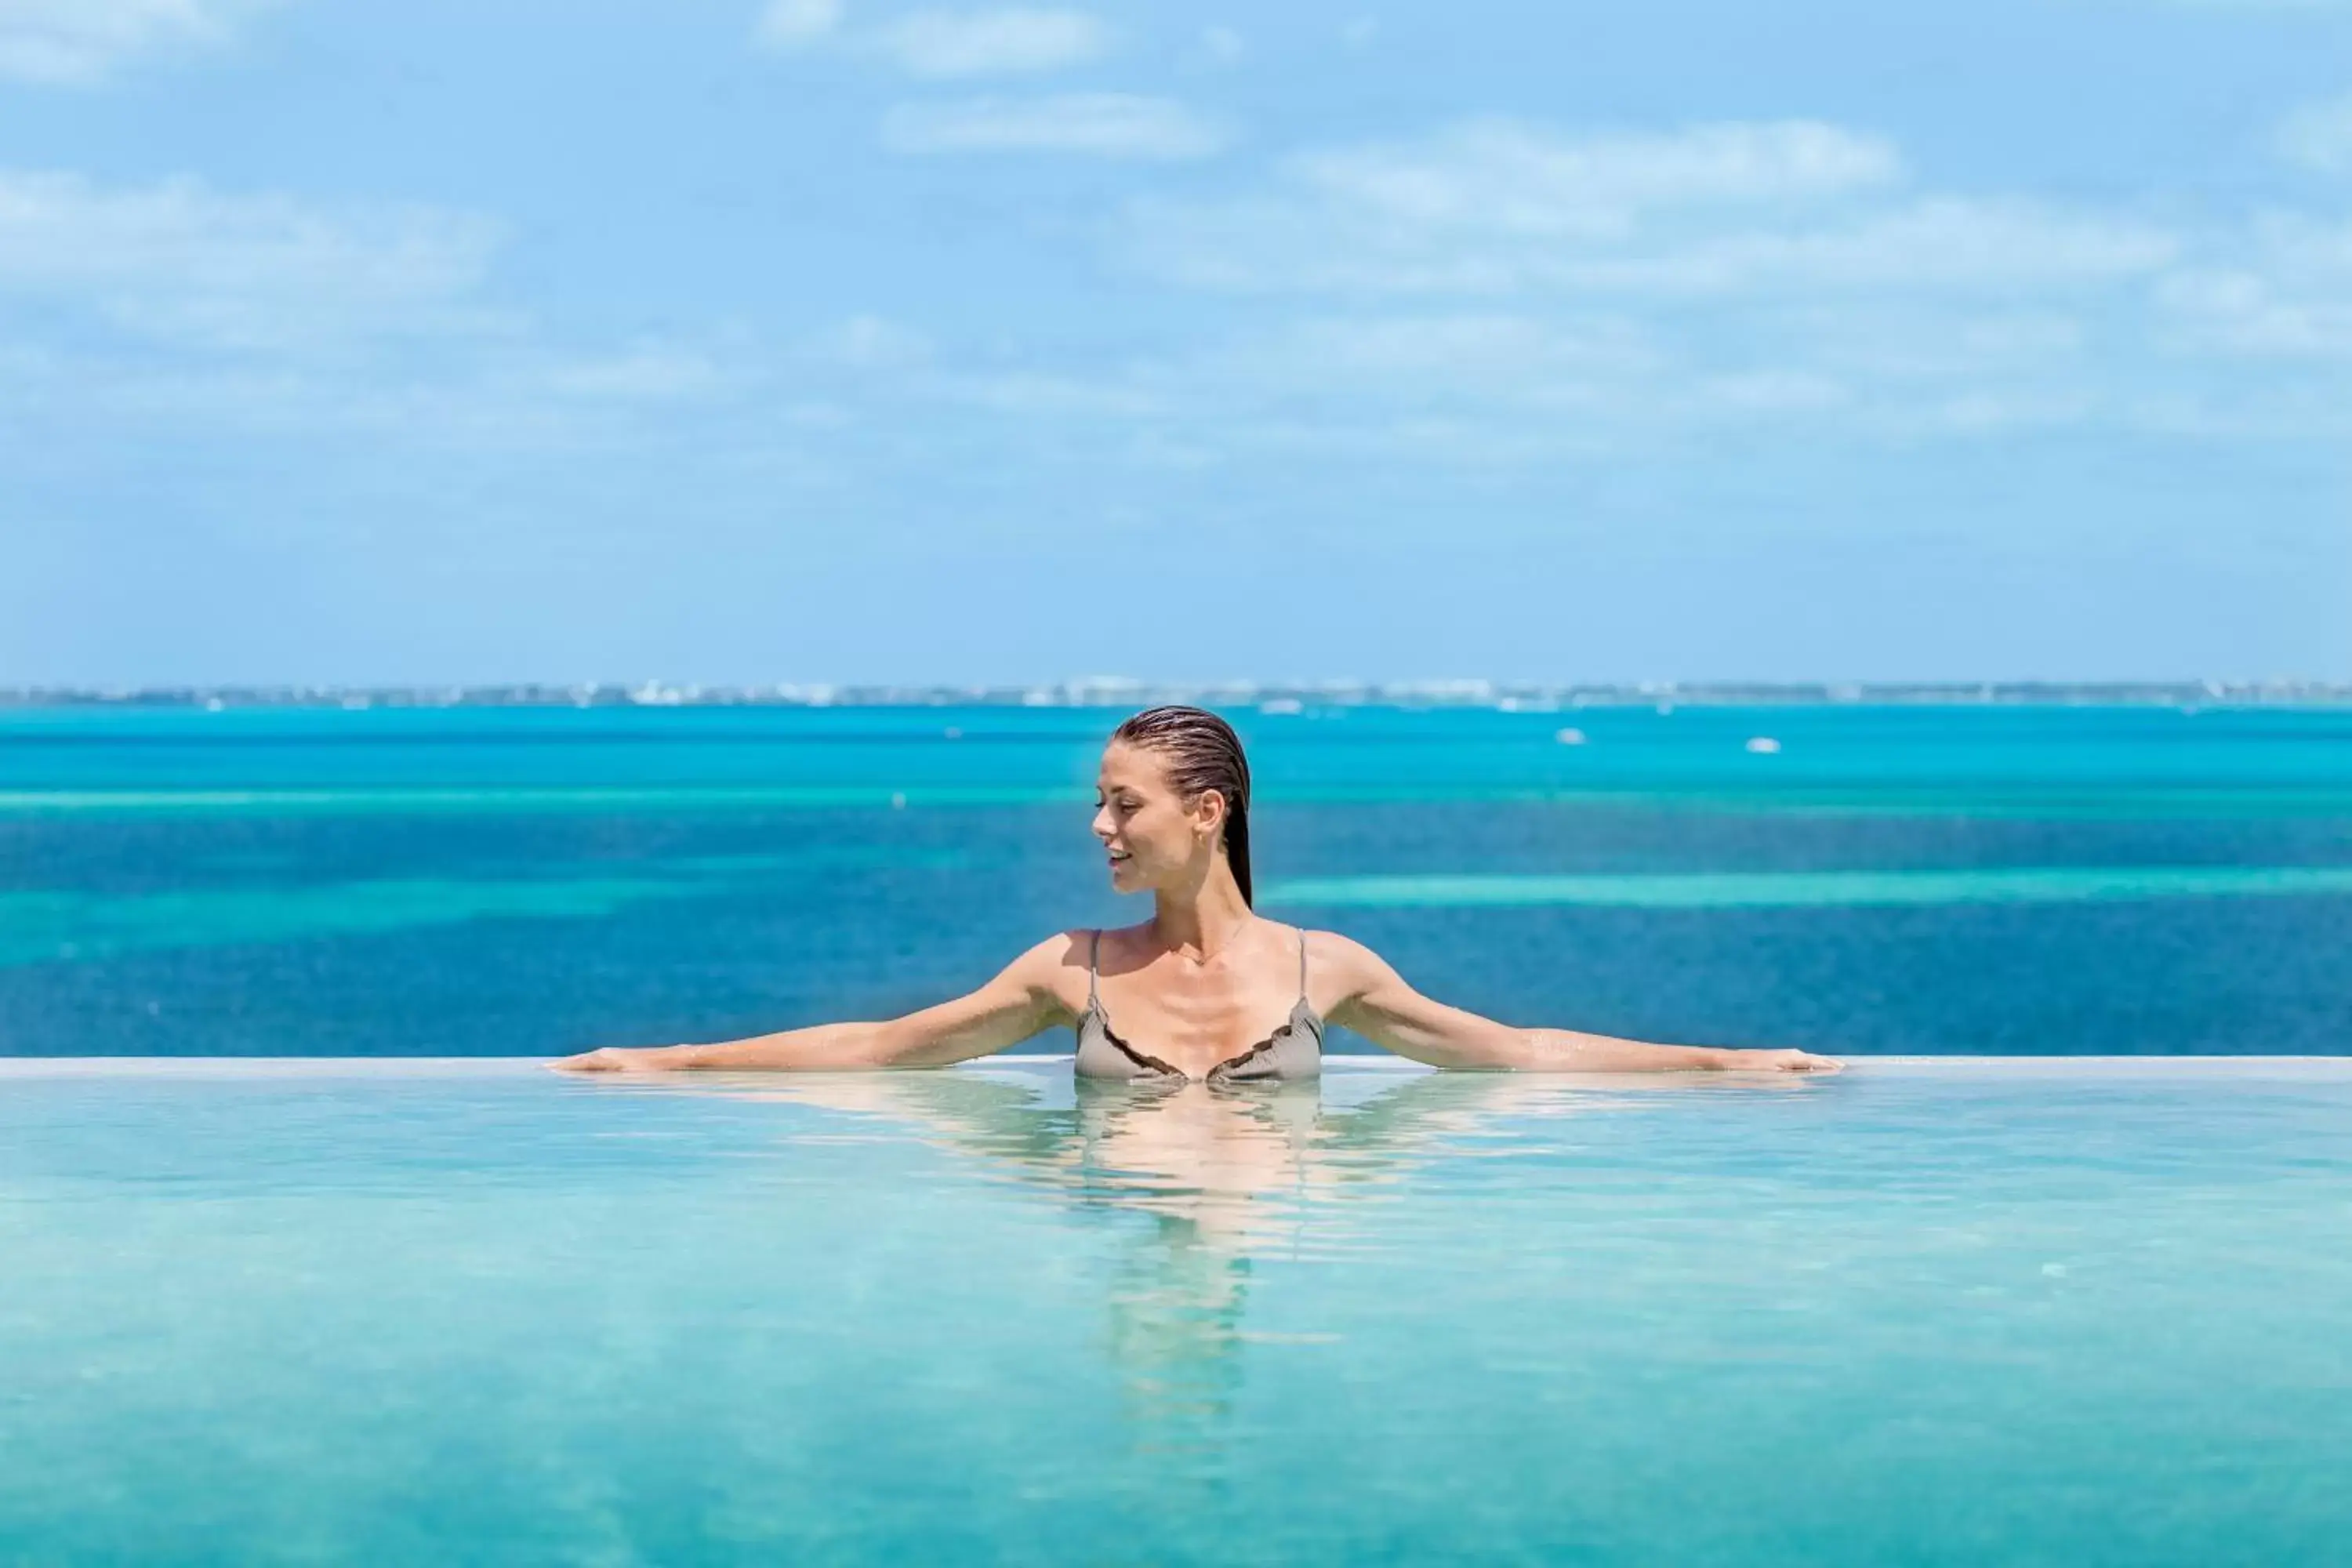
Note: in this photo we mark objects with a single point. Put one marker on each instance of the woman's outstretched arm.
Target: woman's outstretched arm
(1022, 1001)
(1380, 1006)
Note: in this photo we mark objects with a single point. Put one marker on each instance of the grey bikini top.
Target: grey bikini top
(1294, 1050)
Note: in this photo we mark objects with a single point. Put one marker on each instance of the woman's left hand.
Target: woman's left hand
(611, 1059)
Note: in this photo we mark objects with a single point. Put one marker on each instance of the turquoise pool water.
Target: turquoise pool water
(1954, 1311)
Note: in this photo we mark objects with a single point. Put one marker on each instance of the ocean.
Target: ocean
(1850, 880)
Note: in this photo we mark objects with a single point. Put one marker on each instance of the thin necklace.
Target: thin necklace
(1201, 962)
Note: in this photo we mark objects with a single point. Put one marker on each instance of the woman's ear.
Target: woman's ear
(1209, 808)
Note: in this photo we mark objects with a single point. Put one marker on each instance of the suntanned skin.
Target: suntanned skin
(1195, 984)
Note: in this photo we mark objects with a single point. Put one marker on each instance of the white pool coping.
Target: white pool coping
(2266, 1068)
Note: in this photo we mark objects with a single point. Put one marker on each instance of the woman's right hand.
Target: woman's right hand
(1781, 1061)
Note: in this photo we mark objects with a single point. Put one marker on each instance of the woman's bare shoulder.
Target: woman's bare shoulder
(1342, 957)
(1049, 965)
(1064, 950)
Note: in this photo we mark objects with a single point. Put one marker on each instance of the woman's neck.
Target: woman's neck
(1201, 922)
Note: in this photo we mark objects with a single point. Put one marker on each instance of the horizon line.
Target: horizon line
(1113, 690)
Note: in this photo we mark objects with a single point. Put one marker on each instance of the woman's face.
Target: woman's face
(1151, 837)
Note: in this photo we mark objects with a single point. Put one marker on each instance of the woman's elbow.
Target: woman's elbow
(1502, 1053)
(899, 1045)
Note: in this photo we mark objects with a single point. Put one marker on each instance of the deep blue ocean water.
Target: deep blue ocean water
(449, 882)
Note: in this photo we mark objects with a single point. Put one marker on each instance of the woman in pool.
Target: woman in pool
(1192, 983)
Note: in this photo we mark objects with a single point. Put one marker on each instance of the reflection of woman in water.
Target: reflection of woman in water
(1198, 1187)
(1192, 987)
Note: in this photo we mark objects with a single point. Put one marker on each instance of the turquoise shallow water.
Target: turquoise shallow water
(2041, 1311)
(412, 883)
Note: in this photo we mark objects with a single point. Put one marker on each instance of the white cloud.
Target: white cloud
(1495, 292)
(2320, 136)
(1862, 315)
(1098, 124)
(77, 42)
(2286, 294)
(1926, 243)
(793, 24)
(1525, 179)
(1495, 208)
(1492, 206)
(1003, 42)
(181, 260)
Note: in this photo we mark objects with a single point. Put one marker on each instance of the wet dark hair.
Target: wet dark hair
(1203, 752)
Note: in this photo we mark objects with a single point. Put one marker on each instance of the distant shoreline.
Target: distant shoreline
(1273, 697)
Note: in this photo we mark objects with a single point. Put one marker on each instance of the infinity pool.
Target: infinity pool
(1959, 1311)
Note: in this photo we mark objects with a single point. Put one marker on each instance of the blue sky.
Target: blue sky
(817, 340)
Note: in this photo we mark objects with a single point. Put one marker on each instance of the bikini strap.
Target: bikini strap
(1302, 966)
(1093, 953)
